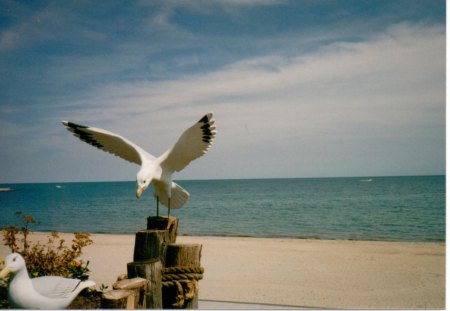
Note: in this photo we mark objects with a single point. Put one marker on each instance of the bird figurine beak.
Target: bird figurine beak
(5, 272)
(139, 191)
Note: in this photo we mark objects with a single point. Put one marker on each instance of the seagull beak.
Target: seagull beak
(5, 272)
(139, 191)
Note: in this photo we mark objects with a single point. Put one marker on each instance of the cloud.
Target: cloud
(166, 11)
(401, 56)
(48, 23)
(288, 105)
(345, 102)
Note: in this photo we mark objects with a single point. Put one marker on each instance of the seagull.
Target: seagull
(45, 292)
(192, 144)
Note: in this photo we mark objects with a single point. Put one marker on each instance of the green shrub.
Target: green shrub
(52, 258)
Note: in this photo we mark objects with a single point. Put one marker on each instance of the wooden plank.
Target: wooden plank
(130, 283)
(138, 286)
(118, 299)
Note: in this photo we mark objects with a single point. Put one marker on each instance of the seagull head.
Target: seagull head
(143, 180)
(13, 263)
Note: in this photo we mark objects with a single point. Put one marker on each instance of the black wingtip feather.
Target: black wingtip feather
(207, 135)
(74, 125)
(77, 130)
(204, 119)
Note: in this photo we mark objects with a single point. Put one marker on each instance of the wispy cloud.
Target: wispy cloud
(320, 99)
(390, 87)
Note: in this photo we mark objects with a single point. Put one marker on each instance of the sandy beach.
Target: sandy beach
(302, 273)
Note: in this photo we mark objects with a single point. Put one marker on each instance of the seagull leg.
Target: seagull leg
(168, 215)
(157, 206)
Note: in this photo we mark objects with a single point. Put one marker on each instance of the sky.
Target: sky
(298, 89)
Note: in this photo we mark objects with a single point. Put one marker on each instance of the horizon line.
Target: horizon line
(217, 179)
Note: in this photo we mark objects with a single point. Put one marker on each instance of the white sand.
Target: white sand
(312, 273)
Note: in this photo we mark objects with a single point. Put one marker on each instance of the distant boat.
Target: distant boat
(366, 180)
(58, 186)
(6, 189)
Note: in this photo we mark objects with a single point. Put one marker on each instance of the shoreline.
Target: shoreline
(312, 238)
(294, 272)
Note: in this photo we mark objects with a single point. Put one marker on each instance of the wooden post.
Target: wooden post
(150, 270)
(183, 255)
(150, 244)
(154, 250)
(183, 292)
(163, 223)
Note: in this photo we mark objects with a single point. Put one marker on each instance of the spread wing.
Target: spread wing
(193, 143)
(109, 142)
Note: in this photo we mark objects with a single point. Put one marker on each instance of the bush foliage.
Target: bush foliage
(52, 258)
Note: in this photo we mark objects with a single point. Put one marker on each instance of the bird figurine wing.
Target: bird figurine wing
(192, 144)
(109, 142)
(55, 286)
(179, 195)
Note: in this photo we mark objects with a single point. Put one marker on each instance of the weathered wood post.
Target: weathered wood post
(163, 223)
(151, 271)
(181, 275)
(171, 270)
(150, 244)
(150, 254)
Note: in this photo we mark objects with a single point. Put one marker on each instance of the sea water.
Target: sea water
(377, 208)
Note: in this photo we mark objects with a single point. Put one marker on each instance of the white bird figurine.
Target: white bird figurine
(193, 143)
(46, 292)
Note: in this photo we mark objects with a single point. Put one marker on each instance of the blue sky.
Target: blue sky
(298, 88)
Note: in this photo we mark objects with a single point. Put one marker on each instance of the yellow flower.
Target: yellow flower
(2, 261)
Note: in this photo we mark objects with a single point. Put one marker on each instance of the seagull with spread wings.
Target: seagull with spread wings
(192, 144)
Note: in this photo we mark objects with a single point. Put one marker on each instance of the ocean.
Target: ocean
(377, 208)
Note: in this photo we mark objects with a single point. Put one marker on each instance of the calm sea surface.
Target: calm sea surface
(378, 208)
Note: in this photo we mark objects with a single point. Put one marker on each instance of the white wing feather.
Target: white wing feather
(55, 286)
(192, 144)
(109, 142)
